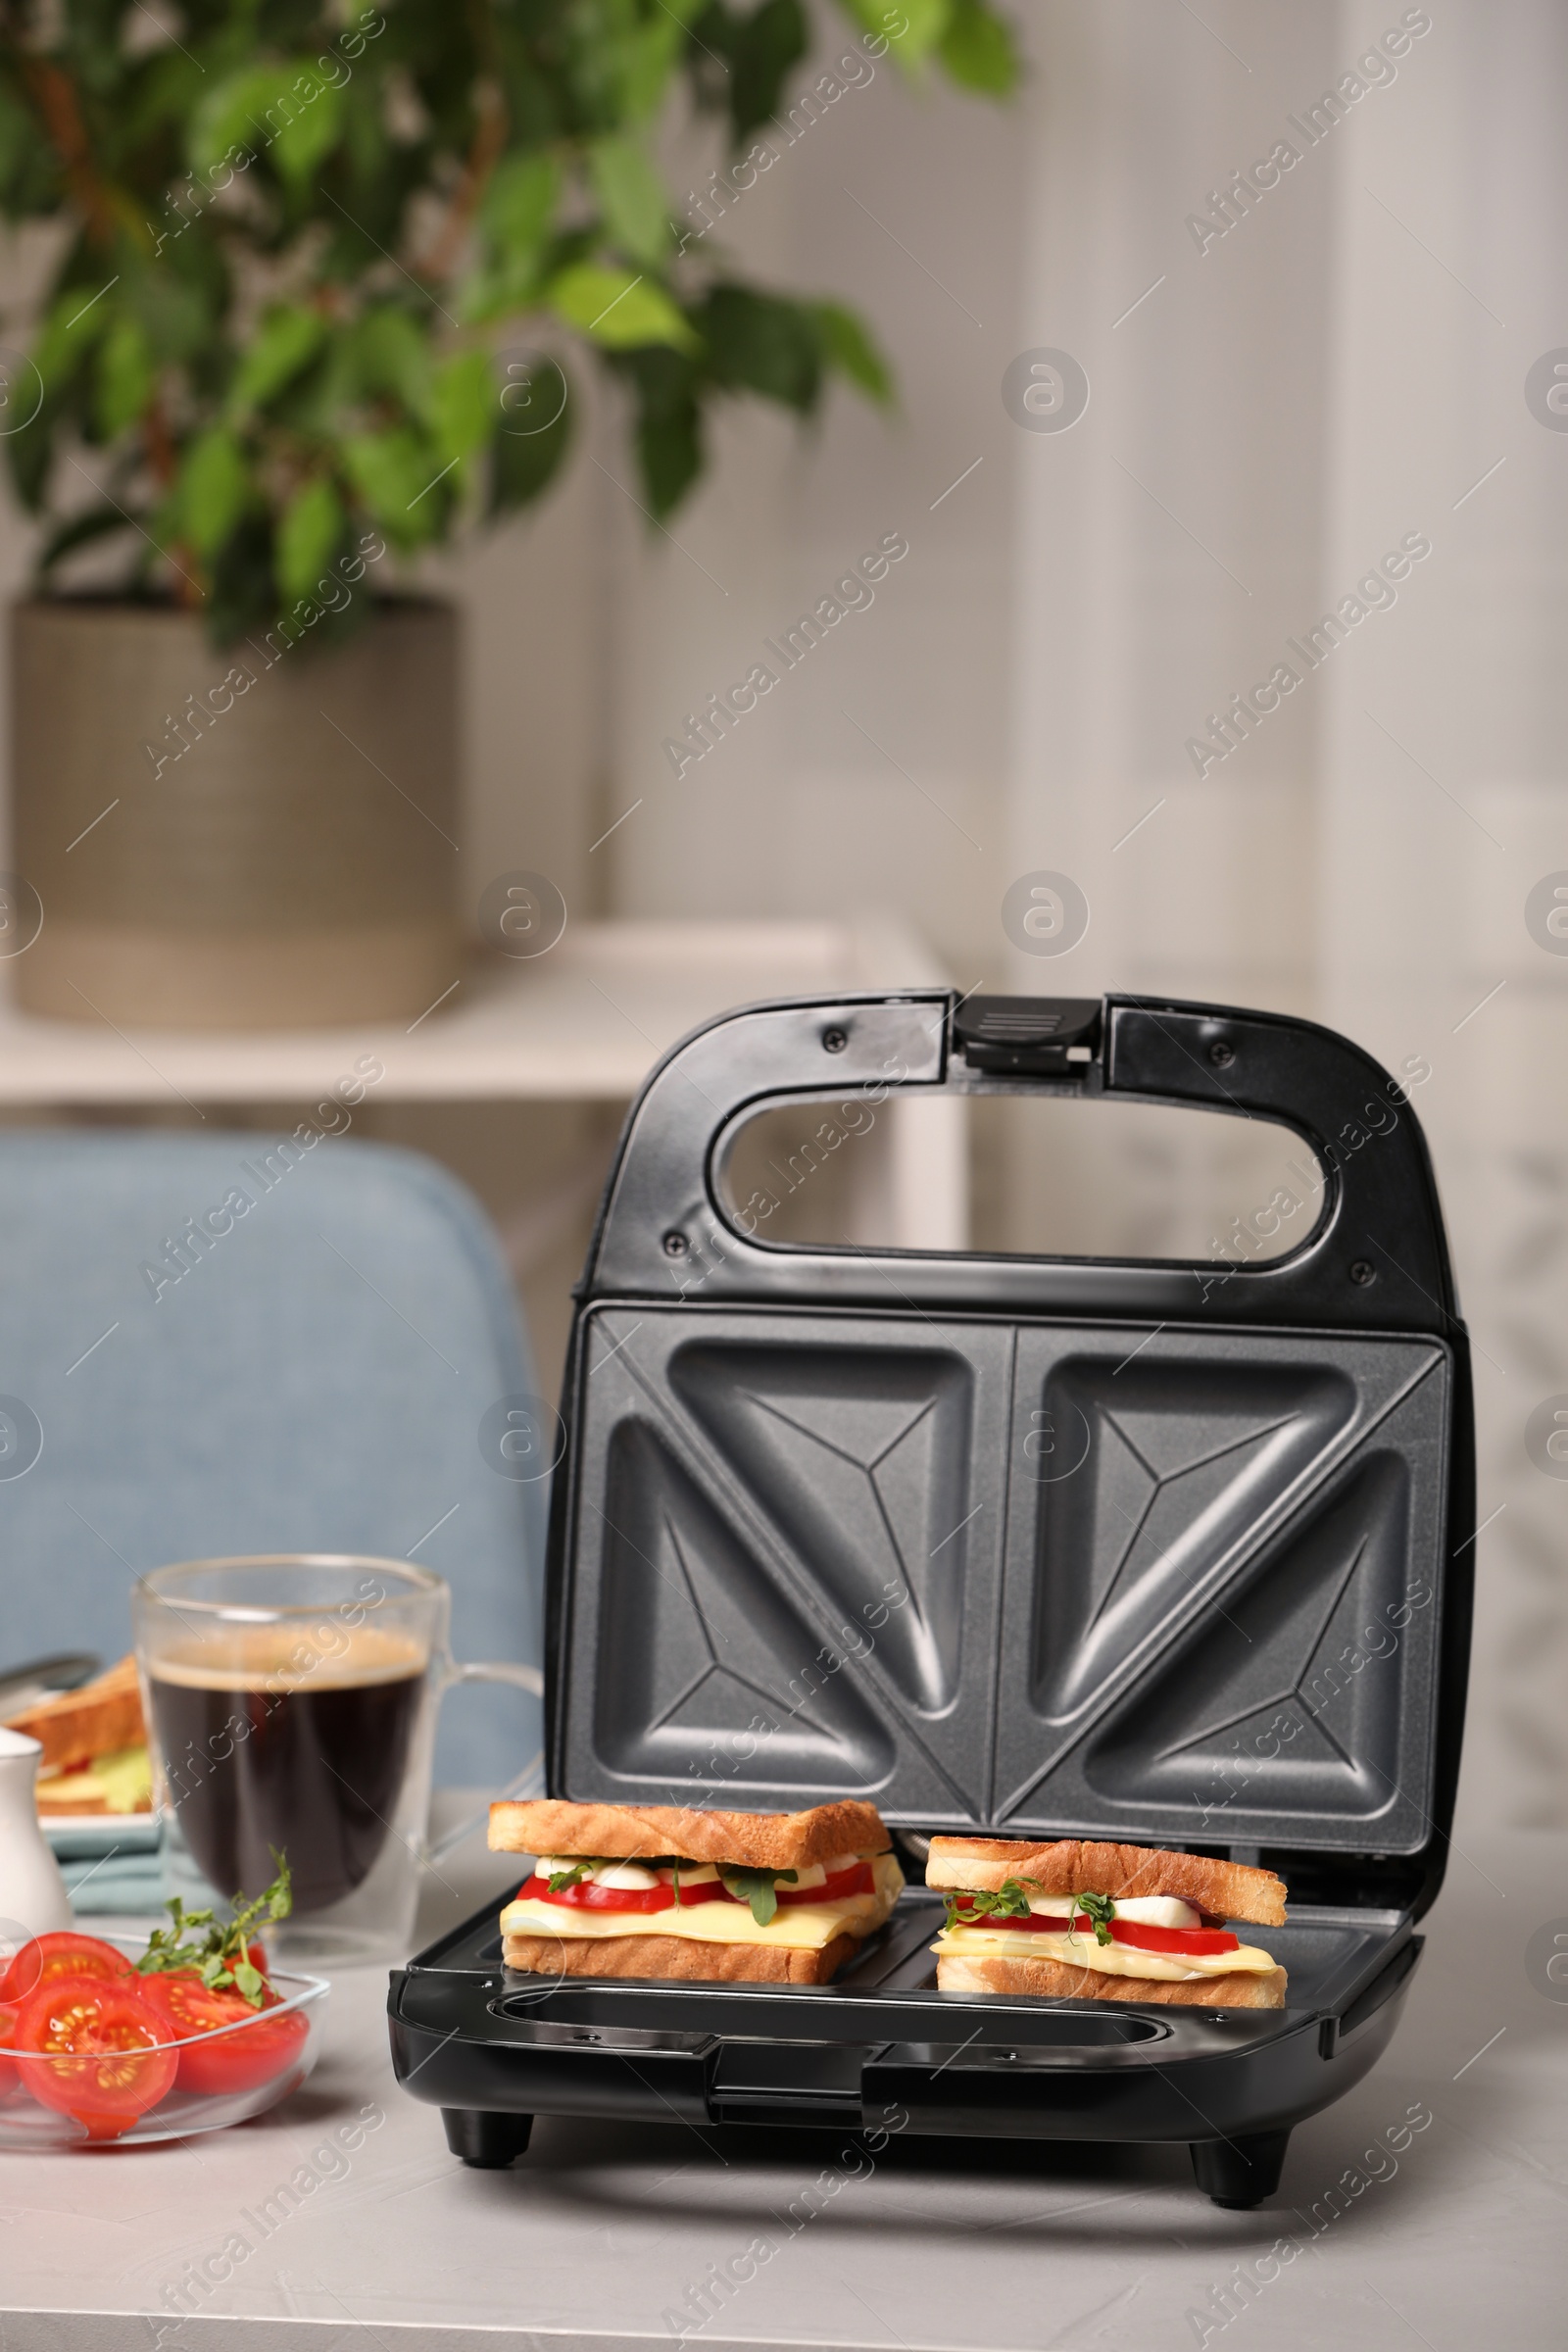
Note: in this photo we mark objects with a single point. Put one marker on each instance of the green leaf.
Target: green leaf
(214, 486)
(234, 114)
(30, 168)
(647, 58)
(532, 434)
(391, 357)
(398, 475)
(617, 308)
(922, 22)
(847, 346)
(765, 50)
(632, 198)
(289, 114)
(315, 129)
(286, 341)
(979, 51)
(762, 344)
(310, 531)
(670, 424)
(126, 377)
(560, 1880)
(71, 330)
(519, 211)
(77, 531)
(463, 397)
(758, 1888)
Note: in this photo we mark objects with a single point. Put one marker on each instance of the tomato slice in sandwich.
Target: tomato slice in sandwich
(1200, 1943)
(1196, 1942)
(94, 2048)
(838, 1884)
(587, 1895)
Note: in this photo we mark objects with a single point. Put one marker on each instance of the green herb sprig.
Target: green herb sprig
(1101, 1910)
(561, 1878)
(220, 1954)
(1010, 1901)
(758, 1888)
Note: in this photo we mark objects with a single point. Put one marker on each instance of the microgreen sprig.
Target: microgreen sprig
(561, 1878)
(1101, 1910)
(758, 1888)
(220, 1954)
(1010, 1901)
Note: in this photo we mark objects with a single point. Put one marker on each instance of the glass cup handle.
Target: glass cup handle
(528, 1781)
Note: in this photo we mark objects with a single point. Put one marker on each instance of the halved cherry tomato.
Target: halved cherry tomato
(256, 2048)
(1197, 1942)
(94, 2048)
(60, 1953)
(857, 1879)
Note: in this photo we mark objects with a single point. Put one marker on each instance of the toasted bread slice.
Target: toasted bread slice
(120, 1782)
(105, 1714)
(1222, 1890)
(548, 1825)
(1053, 1979)
(672, 1956)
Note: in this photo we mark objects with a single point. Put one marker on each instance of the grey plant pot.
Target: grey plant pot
(258, 838)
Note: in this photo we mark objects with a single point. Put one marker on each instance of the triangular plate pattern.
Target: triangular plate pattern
(859, 1459)
(721, 1685)
(1266, 1705)
(1182, 1461)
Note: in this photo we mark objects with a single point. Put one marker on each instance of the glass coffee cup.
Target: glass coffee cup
(291, 1706)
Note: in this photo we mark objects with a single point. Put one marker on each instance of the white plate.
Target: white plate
(133, 1833)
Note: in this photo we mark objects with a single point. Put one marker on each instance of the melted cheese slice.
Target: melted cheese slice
(793, 1926)
(1105, 1959)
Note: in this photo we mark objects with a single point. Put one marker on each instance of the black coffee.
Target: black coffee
(265, 1752)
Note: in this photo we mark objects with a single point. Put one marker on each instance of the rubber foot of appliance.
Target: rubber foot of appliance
(1240, 2173)
(484, 2138)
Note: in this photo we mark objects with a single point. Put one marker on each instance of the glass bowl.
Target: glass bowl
(219, 2078)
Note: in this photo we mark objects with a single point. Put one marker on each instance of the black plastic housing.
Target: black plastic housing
(1176, 1553)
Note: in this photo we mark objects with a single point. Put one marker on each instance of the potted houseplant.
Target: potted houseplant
(325, 276)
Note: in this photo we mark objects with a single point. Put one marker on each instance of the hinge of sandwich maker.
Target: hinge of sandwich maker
(1028, 1037)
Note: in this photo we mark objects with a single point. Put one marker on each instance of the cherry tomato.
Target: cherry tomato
(94, 2048)
(256, 2048)
(60, 1953)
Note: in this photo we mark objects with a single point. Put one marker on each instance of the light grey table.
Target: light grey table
(600, 2234)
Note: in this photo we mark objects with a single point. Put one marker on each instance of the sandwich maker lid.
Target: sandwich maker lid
(1166, 1552)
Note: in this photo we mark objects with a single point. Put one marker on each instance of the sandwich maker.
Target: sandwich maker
(1177, 1554)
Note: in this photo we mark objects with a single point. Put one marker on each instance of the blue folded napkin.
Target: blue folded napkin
(113, 1865)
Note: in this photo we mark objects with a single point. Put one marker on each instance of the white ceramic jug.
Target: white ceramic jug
(33, 1892)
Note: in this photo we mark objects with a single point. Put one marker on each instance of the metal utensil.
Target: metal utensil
(21, 1686)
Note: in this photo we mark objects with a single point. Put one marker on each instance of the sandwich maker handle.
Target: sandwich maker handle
(1375, 1258)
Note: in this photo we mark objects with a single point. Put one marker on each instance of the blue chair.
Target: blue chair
(215, 1345)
